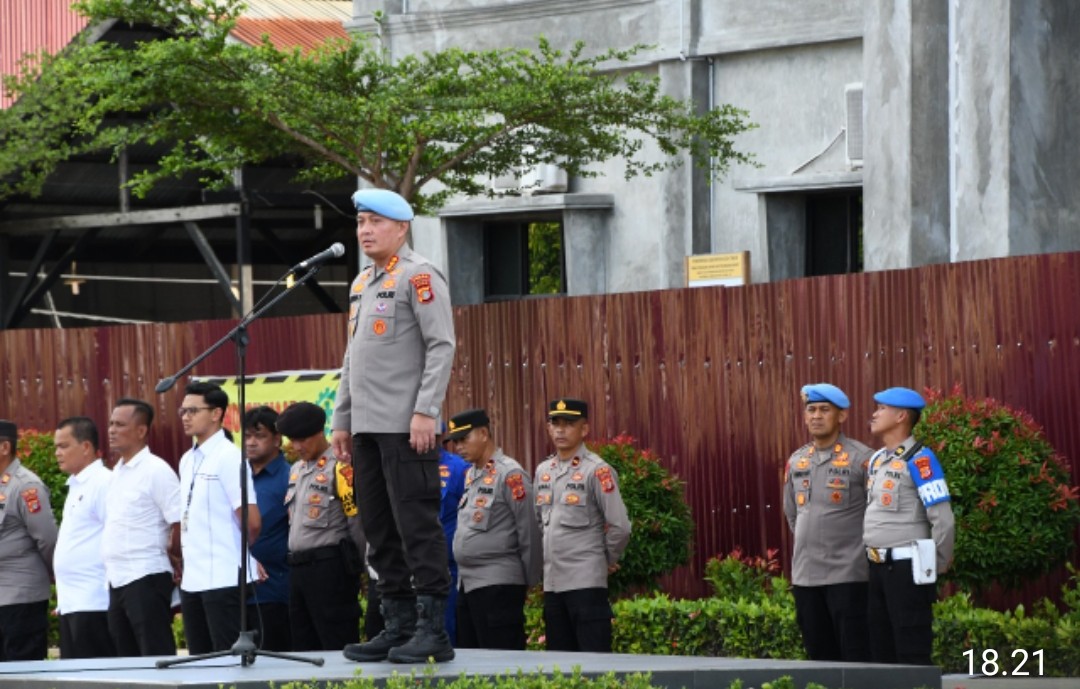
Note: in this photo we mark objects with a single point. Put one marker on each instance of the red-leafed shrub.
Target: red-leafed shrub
(1016, 510)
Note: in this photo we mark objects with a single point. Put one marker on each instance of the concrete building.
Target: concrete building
(892, 134)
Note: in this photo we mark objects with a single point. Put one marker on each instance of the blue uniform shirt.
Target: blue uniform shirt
(272, 546)
(452, 470)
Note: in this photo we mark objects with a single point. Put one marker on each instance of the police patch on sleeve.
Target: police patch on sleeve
(929, 479)
(422, 285)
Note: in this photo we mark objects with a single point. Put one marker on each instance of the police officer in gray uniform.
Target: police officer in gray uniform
(326, 541)
(27, 541)
(824, 502)
(908, 501)
(585, 529)
(393, 381)
(497, 541)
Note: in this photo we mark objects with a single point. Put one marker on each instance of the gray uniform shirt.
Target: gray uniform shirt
(896, 514)
(583, 520)
(824, 502)
(497, 540)
(322, 505)
(401, 347)
(27, 536)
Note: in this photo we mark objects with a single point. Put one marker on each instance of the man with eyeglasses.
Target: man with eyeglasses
(141, 539)
(210, 515)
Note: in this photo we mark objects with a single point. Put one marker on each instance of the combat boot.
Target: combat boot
(430, 639)
(399, 616)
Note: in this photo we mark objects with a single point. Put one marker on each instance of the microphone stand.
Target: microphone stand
(245, 646)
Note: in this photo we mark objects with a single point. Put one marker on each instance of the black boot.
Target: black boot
(430, 639)
(399, 615)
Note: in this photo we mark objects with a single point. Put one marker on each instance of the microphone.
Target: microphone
(336, 250)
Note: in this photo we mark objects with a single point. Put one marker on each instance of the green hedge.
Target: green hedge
(752, 615)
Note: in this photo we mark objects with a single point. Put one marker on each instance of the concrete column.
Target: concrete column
(1017, 91)
(686, 189)
(585, 246)
(465, 260)
(905, 106)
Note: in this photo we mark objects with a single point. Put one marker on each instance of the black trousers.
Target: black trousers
(901, 614)
(24, 631)
(578, 620)
(324, 610)
(272, 621)
(832, 619)
(492, 617)
(140, 616)
(211, 619)
(398, 493)
(81, 637)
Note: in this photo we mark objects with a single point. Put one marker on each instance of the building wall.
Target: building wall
(966, 111)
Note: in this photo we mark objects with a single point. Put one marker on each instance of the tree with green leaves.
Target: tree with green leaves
(429, 126)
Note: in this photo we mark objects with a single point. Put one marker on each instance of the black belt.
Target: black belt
(303, 557)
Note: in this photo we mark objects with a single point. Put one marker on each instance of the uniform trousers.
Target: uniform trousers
(398, 492)
(81, 637)
(324, 612)
(901, 615)
(211, 618)
(832, 619)
(24, 631)
(492, 617)
(140, 616)
(578, 620)
(272, 622)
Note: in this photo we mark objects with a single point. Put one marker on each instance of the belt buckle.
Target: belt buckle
(875, 555)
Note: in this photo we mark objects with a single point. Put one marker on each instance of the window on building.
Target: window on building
(834, 233)
(523, 259)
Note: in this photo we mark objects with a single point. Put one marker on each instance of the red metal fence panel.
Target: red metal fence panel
(707, 378)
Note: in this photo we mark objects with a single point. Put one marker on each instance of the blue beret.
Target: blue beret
(383, 202)
(904, 398)
(824, 392)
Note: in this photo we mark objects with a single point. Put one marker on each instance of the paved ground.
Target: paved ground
(668, 671)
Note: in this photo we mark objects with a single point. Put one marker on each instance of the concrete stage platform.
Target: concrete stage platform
(673, 672)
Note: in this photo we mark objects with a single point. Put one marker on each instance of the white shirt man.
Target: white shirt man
(82, 592)
(142, 514)
(210, 510)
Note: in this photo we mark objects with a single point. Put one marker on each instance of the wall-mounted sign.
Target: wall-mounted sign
(729, 270)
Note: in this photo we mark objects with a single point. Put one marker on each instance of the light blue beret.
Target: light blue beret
(383, 202)
(904, 398)
(824, 392)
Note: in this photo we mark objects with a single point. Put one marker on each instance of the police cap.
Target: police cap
(568, 408)
(461, 424)
(825, 392)
(302, 420)
(904, 398)
(8, 429)
(382, 202)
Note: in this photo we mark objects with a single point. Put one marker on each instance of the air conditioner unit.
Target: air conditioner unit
(545, 178)
(853, 108)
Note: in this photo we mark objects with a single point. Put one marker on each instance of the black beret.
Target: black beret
(568, 408)
(8, 429)
(461, 424)
(302, 420)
